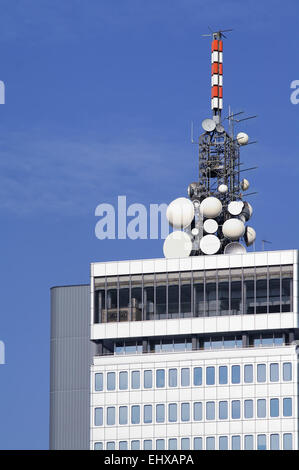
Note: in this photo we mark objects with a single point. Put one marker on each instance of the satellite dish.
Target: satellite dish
(220, 128)
(222, 188)
(209, 244)
(180, 212)
(246, 211)
(177, 245)
(249, 236)
(195, 231)
(208, 125)
(233, 229)
(242, 138)
(235, 207)
(210, 226)
(245, 184)
(210, 207)
(234, 248)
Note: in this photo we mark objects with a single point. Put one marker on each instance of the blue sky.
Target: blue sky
(99, 99)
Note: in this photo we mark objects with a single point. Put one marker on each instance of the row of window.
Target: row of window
(275, 442)
(194, 411)
(174, 377)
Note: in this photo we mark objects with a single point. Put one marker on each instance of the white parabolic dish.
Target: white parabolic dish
(209, 244)
(210, 226)
(177, 245)
(235, 207)
(210, 207)
(234, 248)
(180, 212)
(233, 229)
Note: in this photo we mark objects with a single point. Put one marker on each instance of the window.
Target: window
(123, 415)
(98, 446)
(210, 375)
(261, 372)
(223, 410)
(160, 378)
(197, 376)
(172, 444)
(111, 415)
(261, 408)
(223, 443)
(160, 413)
(123, 445)
(147, 444)
(210, 410)
(135, 414)
(197, 443)
(99, 382)
(147, 413)
(172, 378)
(98, 417)
(135, 445)
(148, 379)
(235, 374)
(185, 443)
(123, 380)
(185, 377)
(197, 411)
(274, 407)
(172, 412)
(287, 441)
(287, 371)
(261, 442)
(248, 409)
(236, 442)
(274, 372)
(248, 442)
(223, 375)
(287, 407)
(274, 442)
(160, 444)
(248, 373)
(111, 381)
(111, 445)
(236, 412)
(210, 443)
(185, 412)
(135, 379)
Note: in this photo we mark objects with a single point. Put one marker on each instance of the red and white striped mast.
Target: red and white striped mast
(217, 74)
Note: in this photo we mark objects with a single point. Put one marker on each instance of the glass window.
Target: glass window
(185, 443)
(99, 382)
(261, 296)
(261, 408)
(287, 407)
(223, 410)
(160, 378)
(98, 446)
(186, 300)
(149, 302)
(236, 442)
(135, 445)
(111, 445)
(135, 414)
(287, 441)
(135, 379)
(235, 374)
(274, 407)
(172, 412)
(98, 417)
(173, 378)
(236, 297)
(236, 412)
(111, 415)
(223, 375)
(160, 413)
(199, 303)
(248, 373)
(223, 443)
(160, 444)
(185, 377)
(147, 444)
(274, 295)
(274, 442)
(261, 442)
(123, 445)
(123, 415)
(172, 444)
(161, 302)
(210, 443)
(286, 295)
(210, 410)
(223, 298)
(249, 302)
(197, 443)
(185, 411)
(197, 411)
(248, 442)
(173, 301)
(210, 375)
(274, 372)
(148, 379)
(287, 371)
(123, 380)
(197, 376)
(261, 372)
(111, 381)
(248, 409)
(147, 413)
